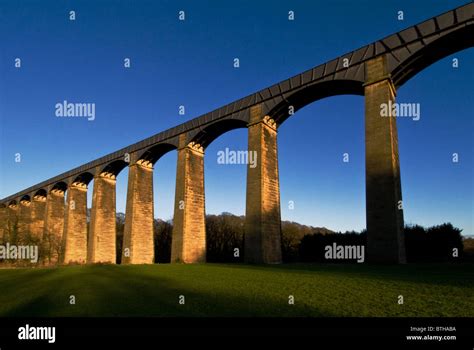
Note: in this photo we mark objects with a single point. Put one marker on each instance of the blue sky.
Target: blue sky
(190, 63)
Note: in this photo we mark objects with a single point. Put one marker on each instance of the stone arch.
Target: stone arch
(114, 167)
(154, 153)
(209, 133)
(59, 186)
(309, 94)
(83, 178)
(424, 55)
(26, 197)
(40, 192)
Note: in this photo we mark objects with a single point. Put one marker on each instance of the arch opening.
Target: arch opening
(25, 198)
(114, 167)
(210, 133)
(322, 173)
(59, 186)
(84, 178)
(313, 93)
(40, 193)
(153, 154)
(448, 44)
(225, 188)
(164, 189)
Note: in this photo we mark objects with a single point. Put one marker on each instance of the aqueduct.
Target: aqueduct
(375, 71)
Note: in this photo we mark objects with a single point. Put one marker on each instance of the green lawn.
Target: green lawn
(239, 290)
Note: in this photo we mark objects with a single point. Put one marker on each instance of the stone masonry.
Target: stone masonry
(12, 222)
(54, 224)
(75, 224)
(383, 189)
(189, 226)
(102, 232)
(37, 207)
(24, 220)
(3, 222)
(138, 245)
(263, 219)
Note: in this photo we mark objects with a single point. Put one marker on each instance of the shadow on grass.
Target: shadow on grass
(114, 291)
(231, 290)
(455, 275)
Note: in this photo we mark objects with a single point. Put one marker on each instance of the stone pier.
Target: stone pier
(3, 221)
(138, 247)
(24, 221)
(54, 225)
(103, 232)
(11, 233)
(262, 218)
(189, 226)
(383, 189)
(38, 206)
(75, 224)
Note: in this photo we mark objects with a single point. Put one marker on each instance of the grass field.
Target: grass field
(239, 290)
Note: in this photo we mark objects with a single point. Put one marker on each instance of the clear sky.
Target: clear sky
(190, 63)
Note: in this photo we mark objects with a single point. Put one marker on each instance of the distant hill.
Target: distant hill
(289, 228)
(301, 230)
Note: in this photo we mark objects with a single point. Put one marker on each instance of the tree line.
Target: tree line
(300, 243)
